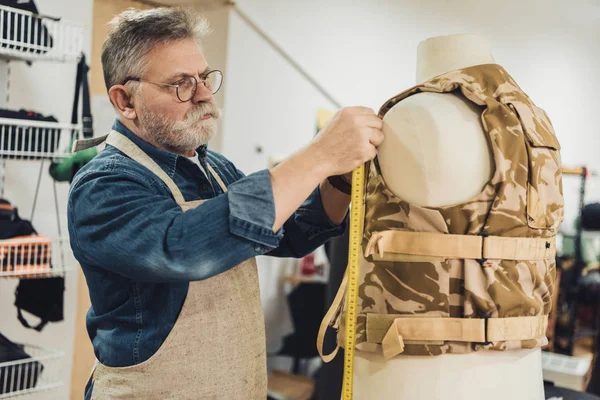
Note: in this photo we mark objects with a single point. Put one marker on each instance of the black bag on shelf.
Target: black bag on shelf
(24, 29)
(11, 225)
(17, 377)
(37, 140)
(19, 255)
(43, 298)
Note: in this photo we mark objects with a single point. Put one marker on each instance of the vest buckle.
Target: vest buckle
(483, 234)
(485, 329)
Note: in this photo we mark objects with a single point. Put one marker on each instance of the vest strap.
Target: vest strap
(440, 245)
(333, 311)
(391, 330)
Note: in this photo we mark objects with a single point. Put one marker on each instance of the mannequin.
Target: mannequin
(433, 132)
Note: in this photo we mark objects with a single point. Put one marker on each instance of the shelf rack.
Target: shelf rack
(36, 140)
(33, 257)
(50, 39)
(42, 372)
(28, 37)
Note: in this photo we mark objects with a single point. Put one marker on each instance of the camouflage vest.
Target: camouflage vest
(474, 276)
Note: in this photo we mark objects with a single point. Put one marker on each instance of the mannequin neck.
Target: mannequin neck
(441, 54)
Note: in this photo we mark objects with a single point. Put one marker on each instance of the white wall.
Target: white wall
(48, 88)
(365, 52)
(215, 51)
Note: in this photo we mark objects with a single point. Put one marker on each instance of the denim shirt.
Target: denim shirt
(139, 251)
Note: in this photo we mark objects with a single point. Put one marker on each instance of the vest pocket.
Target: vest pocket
(544, 187)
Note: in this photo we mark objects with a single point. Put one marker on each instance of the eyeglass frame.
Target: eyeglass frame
(176, 86)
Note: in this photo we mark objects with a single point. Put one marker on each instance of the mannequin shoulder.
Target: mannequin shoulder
(431, 112)
(426, 104)
(431, 135)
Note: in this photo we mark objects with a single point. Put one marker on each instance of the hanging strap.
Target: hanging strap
(329, 316)
(26, 324)
(82, 86)
(391, 330)
(129, 148)
(433, 244)
(84, 144)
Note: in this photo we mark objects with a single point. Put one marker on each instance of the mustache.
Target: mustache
(201, 110)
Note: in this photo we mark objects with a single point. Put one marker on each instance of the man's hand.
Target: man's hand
(348, 140)
(353, 134)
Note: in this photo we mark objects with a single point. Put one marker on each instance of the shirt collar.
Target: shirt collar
(166, 160)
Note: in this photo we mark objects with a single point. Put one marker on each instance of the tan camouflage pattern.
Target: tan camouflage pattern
(523, 199)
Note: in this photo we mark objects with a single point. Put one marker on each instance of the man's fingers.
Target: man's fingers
(375, 137)
(372, 121)
(372, 153)
(364, 110)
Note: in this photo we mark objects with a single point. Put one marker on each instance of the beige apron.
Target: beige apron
(216, 349)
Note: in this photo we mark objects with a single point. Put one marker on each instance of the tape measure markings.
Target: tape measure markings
(353, 271)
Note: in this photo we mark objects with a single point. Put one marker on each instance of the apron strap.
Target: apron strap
(134, 152)
(129, 148)
(217, 178)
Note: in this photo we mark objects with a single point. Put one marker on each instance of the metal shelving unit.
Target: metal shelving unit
(43, 371)
(33, 140)
(33, 257)
(28, 37)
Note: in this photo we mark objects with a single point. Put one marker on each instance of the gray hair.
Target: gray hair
(134, 33)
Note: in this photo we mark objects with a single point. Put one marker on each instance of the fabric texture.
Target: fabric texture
(523, 199)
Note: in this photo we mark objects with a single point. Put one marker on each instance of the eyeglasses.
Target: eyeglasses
(187, 87)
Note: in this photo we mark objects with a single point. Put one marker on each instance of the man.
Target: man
(166, 231)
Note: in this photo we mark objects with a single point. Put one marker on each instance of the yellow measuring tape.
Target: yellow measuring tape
(352, 271)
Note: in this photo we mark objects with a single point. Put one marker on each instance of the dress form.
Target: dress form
(432, 142)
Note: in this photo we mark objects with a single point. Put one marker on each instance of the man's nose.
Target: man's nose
(203, 94)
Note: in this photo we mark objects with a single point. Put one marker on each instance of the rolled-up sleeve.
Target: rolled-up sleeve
(308, 228)
(121, 222)
(252, 210)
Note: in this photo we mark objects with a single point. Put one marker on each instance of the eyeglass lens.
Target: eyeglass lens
(187, 88)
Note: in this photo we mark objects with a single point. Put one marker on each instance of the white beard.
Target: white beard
(180, 136)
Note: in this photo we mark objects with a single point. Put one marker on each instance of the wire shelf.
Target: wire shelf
(32, 257)
(22, 139)
(43, 371)
(31, 37)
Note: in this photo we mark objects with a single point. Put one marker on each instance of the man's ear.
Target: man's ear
(121, 98)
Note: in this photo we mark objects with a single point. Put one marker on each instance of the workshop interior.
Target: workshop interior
(485, 194)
